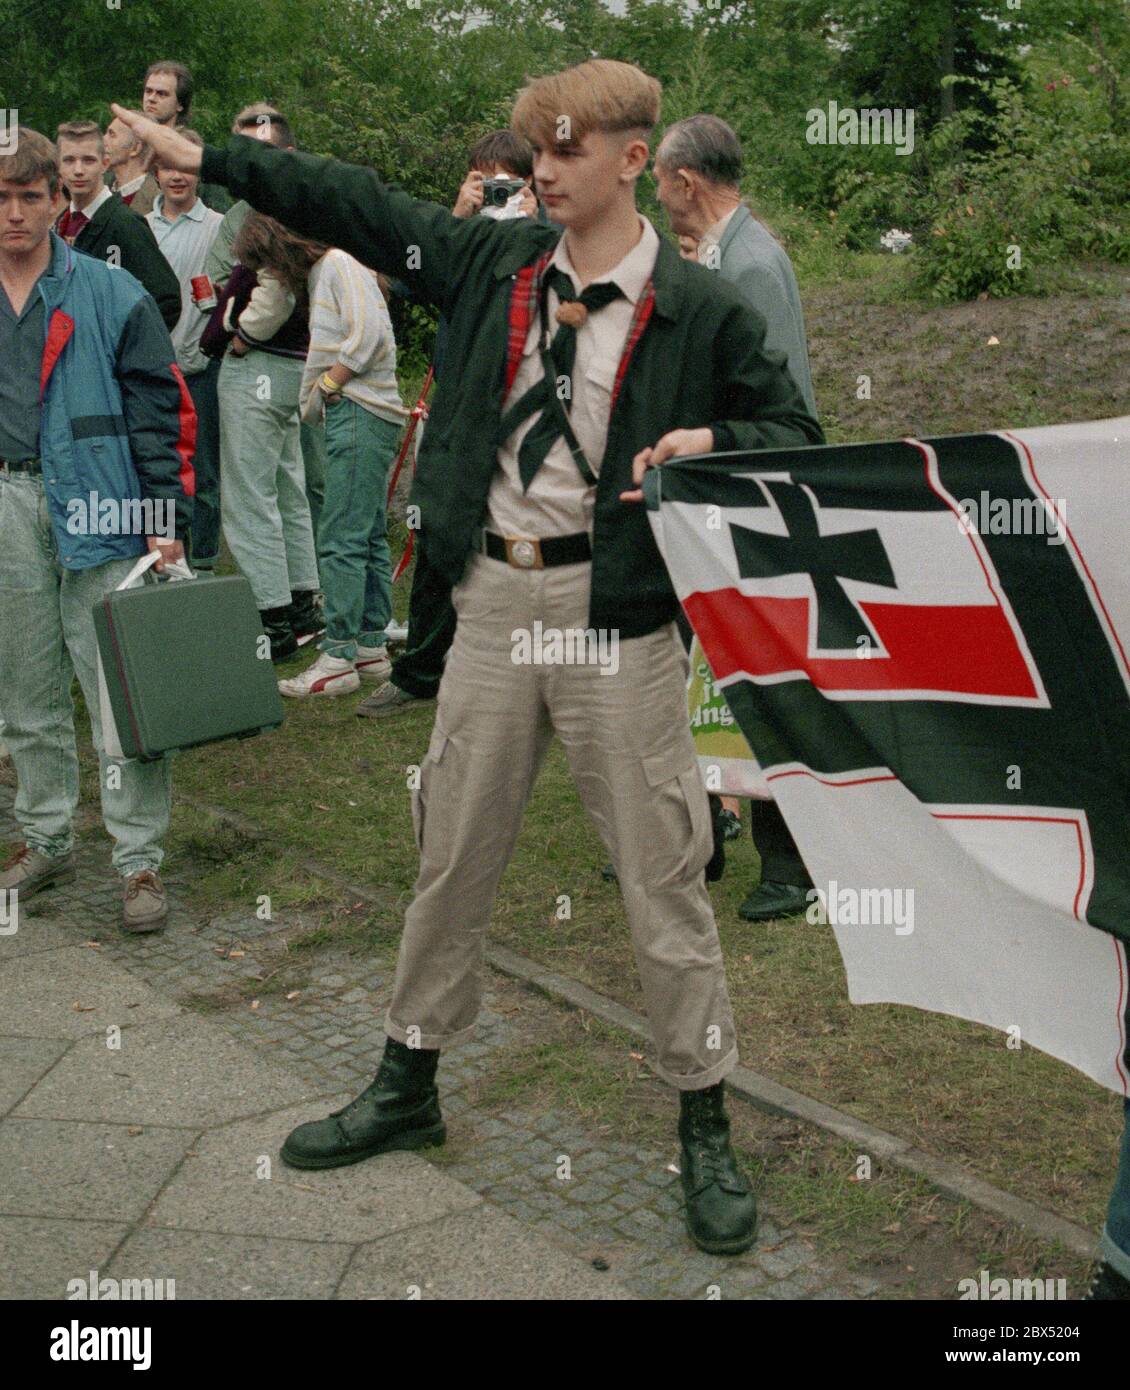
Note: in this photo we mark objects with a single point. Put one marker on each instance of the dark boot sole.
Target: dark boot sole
(725, 1247)
(414, 1139)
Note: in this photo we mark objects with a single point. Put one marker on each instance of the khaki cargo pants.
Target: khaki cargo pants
(629, 748)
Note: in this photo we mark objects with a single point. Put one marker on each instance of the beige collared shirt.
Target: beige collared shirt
(559, 503)
(711, 239)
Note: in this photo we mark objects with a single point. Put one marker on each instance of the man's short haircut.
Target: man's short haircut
(262, 113)
(80, 130)
(185, 84)
(706, 145)
(193, 137)
(35, 158)
(502, 149)
(602, 95)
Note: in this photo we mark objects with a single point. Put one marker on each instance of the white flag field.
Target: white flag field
(925, 644)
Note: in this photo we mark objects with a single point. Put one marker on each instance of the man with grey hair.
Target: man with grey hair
(698, 169)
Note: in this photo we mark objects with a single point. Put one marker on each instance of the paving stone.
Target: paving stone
(22, 1062)
(66, 1168)
(38, 1257)
(781, 1262)
(181, 1072)
(219, 1190)
(41, 991)
(233, 1267)
(448, 1263)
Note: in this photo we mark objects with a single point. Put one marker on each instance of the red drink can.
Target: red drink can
(203, 295)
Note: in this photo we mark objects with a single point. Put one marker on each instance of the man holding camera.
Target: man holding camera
(583, 360)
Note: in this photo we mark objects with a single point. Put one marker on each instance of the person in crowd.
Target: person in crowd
(530, 502)
(166, 96)
(90, 393)
(262, 121)
(263, 506)
(130, 168)
(184, 230)
(416, 673)
(698, 170)
(350, 384)
(98, 223)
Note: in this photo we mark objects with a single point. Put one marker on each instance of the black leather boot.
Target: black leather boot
(1107, 1285)
(721, 1208)
(280, 634)
(399, 1110)
(305, 616)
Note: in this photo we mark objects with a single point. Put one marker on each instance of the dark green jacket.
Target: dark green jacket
(699, 362)
(114, 225)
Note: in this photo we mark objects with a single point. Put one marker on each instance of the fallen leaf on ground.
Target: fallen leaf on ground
(83, 1008)
(294, 993)
(254, 1003)
(992, 341)
(893, 1229)
(236, 955)
(135, 1130)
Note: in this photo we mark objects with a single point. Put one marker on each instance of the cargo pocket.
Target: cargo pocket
(432, 758)
(675, 783)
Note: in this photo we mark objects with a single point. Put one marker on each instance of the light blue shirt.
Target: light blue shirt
(185, 242)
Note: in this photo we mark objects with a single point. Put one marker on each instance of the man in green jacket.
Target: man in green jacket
(576, 362)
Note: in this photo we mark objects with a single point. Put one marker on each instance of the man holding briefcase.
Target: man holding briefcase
(97, 432)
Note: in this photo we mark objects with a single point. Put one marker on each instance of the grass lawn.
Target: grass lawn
(334, 788)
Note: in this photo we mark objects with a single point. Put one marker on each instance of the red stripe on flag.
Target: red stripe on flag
(955, 649)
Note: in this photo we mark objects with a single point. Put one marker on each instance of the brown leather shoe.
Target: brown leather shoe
(146, 906)
(27, 871)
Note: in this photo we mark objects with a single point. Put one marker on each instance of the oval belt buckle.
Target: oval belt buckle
(524, 554)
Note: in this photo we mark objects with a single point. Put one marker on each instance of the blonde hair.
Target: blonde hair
(602, 95)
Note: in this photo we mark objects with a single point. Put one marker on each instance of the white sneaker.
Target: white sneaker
(329, 675)
(372, 663)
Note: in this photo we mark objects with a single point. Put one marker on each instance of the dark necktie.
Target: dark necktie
(72, 224)
(572, 311)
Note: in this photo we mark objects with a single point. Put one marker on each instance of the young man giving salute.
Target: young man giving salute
(582, 360)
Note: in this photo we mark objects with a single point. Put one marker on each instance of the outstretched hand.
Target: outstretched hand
(172, 149)
(674, 444)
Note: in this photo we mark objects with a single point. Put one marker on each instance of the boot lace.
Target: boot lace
(145, 879)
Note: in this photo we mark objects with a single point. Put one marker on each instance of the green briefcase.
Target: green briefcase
(181, 663)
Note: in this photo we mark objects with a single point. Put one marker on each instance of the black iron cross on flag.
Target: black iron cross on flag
(826, 560)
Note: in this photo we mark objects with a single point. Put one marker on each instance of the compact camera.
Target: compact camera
(498, 192)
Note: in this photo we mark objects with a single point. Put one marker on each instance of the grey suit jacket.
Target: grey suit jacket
(759, 267)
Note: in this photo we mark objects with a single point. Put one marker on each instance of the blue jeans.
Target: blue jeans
(265, 514)
(46, 637)
(206, 463)
(353, 555)
(1115, 1245)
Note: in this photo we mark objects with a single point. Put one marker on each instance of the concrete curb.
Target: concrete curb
(760, 1091)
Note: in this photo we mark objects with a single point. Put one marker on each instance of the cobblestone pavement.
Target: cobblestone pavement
(621, 1207)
